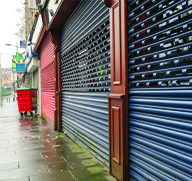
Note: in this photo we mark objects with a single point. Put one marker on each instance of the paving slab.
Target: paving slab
(20, 172)
(100, 177)
(31, 150)
(59, 167)
(18, 179)
(87, 173)
(63, 176)
(78, 156)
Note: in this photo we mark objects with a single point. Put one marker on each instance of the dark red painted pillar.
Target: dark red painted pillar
(118, 99)
(55, 35)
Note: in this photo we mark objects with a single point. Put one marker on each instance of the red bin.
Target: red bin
(27, 100)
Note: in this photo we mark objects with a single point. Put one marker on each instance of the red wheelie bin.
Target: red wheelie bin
(27, 100)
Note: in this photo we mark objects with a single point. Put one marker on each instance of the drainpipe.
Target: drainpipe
(39, 86)
(32, 81)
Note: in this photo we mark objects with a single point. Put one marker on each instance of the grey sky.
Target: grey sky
(9, 17)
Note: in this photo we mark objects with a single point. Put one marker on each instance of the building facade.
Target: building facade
(41, 67)
(122, 82)
(8, 77)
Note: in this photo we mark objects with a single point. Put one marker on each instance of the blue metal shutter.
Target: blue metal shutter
(85, 76)
(160, 89)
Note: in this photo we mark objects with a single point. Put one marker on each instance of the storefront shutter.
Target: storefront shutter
(47, 77)
(160, 89)
(85, 76)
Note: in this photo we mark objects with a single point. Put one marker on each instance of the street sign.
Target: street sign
(23, 44)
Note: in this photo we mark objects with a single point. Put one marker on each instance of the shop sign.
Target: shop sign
(37, 32)
(32, 4)
(51, 9)
(18, 57)
(13, 65)
(20, 67)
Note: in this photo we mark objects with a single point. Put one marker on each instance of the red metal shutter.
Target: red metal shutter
(47, 78)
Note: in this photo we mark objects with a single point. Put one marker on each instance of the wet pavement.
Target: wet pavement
(31, 151)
